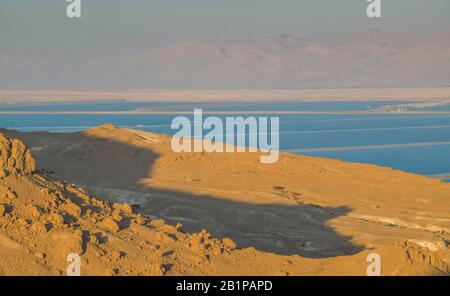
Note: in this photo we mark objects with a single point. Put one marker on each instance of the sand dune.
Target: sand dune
(301, 215)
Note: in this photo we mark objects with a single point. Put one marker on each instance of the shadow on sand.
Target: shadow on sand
(280, 229)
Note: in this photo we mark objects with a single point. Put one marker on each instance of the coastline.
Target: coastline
(238, 95)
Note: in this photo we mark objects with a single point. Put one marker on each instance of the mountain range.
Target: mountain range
(372, 59)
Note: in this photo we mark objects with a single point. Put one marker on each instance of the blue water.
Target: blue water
(424, 160)
(296, 131)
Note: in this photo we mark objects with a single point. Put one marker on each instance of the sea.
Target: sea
(417, 143)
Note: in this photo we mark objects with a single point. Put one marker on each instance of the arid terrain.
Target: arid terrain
(236, 95)
(130, 206)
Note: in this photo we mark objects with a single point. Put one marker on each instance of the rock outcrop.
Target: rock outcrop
(15, 158)
(44, 221)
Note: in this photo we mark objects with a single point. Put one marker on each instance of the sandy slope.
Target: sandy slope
(302, 215)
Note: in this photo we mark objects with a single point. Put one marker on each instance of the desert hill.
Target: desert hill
(118, 197)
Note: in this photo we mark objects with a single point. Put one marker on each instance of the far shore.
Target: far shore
(224, 112)
(239, 95)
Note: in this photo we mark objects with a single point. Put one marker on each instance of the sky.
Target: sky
(118, 27)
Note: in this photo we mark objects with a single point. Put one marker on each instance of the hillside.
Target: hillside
(302, 215)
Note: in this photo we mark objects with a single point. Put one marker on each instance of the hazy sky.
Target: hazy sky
(119, 26)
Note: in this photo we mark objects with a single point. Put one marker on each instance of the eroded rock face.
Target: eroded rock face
(15, 158)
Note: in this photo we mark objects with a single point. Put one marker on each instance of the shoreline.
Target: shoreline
(237, 95)
(225, 112)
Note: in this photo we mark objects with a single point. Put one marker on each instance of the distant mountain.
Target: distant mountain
(368, 59)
